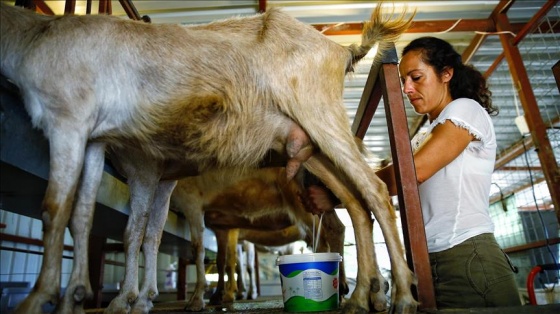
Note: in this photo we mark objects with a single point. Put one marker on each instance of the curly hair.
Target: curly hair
(467, 82)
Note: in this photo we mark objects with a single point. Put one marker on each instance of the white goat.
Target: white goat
(188, 98)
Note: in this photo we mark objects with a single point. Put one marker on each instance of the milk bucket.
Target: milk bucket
(309, 281)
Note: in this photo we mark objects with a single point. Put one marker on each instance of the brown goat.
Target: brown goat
(231, 257)
(188, 98)
(260, 199)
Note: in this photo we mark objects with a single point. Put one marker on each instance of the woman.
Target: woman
(454, 161)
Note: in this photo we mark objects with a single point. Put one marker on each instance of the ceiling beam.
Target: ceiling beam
(130, 10)
(469, 52)
(502, 196)
(469, 25)
(42, 7)
(513, 152)
(462, 25)
(523, 168)
(524, 31)
(517, 149)
(556, 73)
(88, 6)
(262, 6)
(501, 8)
(70, 7)
(105, 7)
(479, 38)
(534, 21)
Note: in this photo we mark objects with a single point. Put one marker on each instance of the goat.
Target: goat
(246, 257)
(171, 93)
(227, 201)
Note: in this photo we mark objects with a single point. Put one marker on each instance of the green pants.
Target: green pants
(475, 273)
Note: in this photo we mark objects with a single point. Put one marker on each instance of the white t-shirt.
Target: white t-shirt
(455, 199)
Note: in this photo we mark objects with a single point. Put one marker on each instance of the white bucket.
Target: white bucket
(309, 281)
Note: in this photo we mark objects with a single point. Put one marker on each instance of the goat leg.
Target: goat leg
(79, 287)
(67, 147)
(196, 225)
(240, 261)
(142, 181)
(222, 242)
(150, 246)
(231, 259)
(369, 277)
(252, 294)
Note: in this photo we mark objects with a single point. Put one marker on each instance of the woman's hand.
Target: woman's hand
(317, 200)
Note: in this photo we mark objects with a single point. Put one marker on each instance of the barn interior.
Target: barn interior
(514, 43)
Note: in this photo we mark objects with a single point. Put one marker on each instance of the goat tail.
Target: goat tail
(381, 31)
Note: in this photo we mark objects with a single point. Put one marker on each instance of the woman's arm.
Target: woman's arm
(441, 147)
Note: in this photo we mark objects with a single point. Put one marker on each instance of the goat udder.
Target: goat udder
(299, 149)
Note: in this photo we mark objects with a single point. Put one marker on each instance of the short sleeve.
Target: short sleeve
(469, 114)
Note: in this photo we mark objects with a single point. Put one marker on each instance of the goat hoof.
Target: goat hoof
(375, 285)
(229, 297)
(403, 309)
(80, 294)
(216, 299)
(344, 289)
(35, 303)
(142, 307)
(352, 308)
(118, 305)
(195, 304)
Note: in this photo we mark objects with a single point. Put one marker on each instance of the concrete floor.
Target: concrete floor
(275, 305)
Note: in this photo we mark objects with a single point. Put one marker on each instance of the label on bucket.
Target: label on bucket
(309, 287)
(313, 285)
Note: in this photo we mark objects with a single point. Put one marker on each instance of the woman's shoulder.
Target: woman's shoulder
(469, 114)
(464, 109)
(464, 104)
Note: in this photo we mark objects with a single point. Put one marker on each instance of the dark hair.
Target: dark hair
(467, 82)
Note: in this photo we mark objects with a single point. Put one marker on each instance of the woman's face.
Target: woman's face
(426, 90)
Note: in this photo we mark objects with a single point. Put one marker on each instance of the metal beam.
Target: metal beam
(513, 152)
(42, 7)
(508, 193)
(371, 95)
(476, 42)
(70, 7)
(432, 26)
(384, 79)
(531, 109)
(262, 6)
(105, 7)
(130, 10)
(556, 73)
(520, 33)
(534, 21)
(414, 234)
